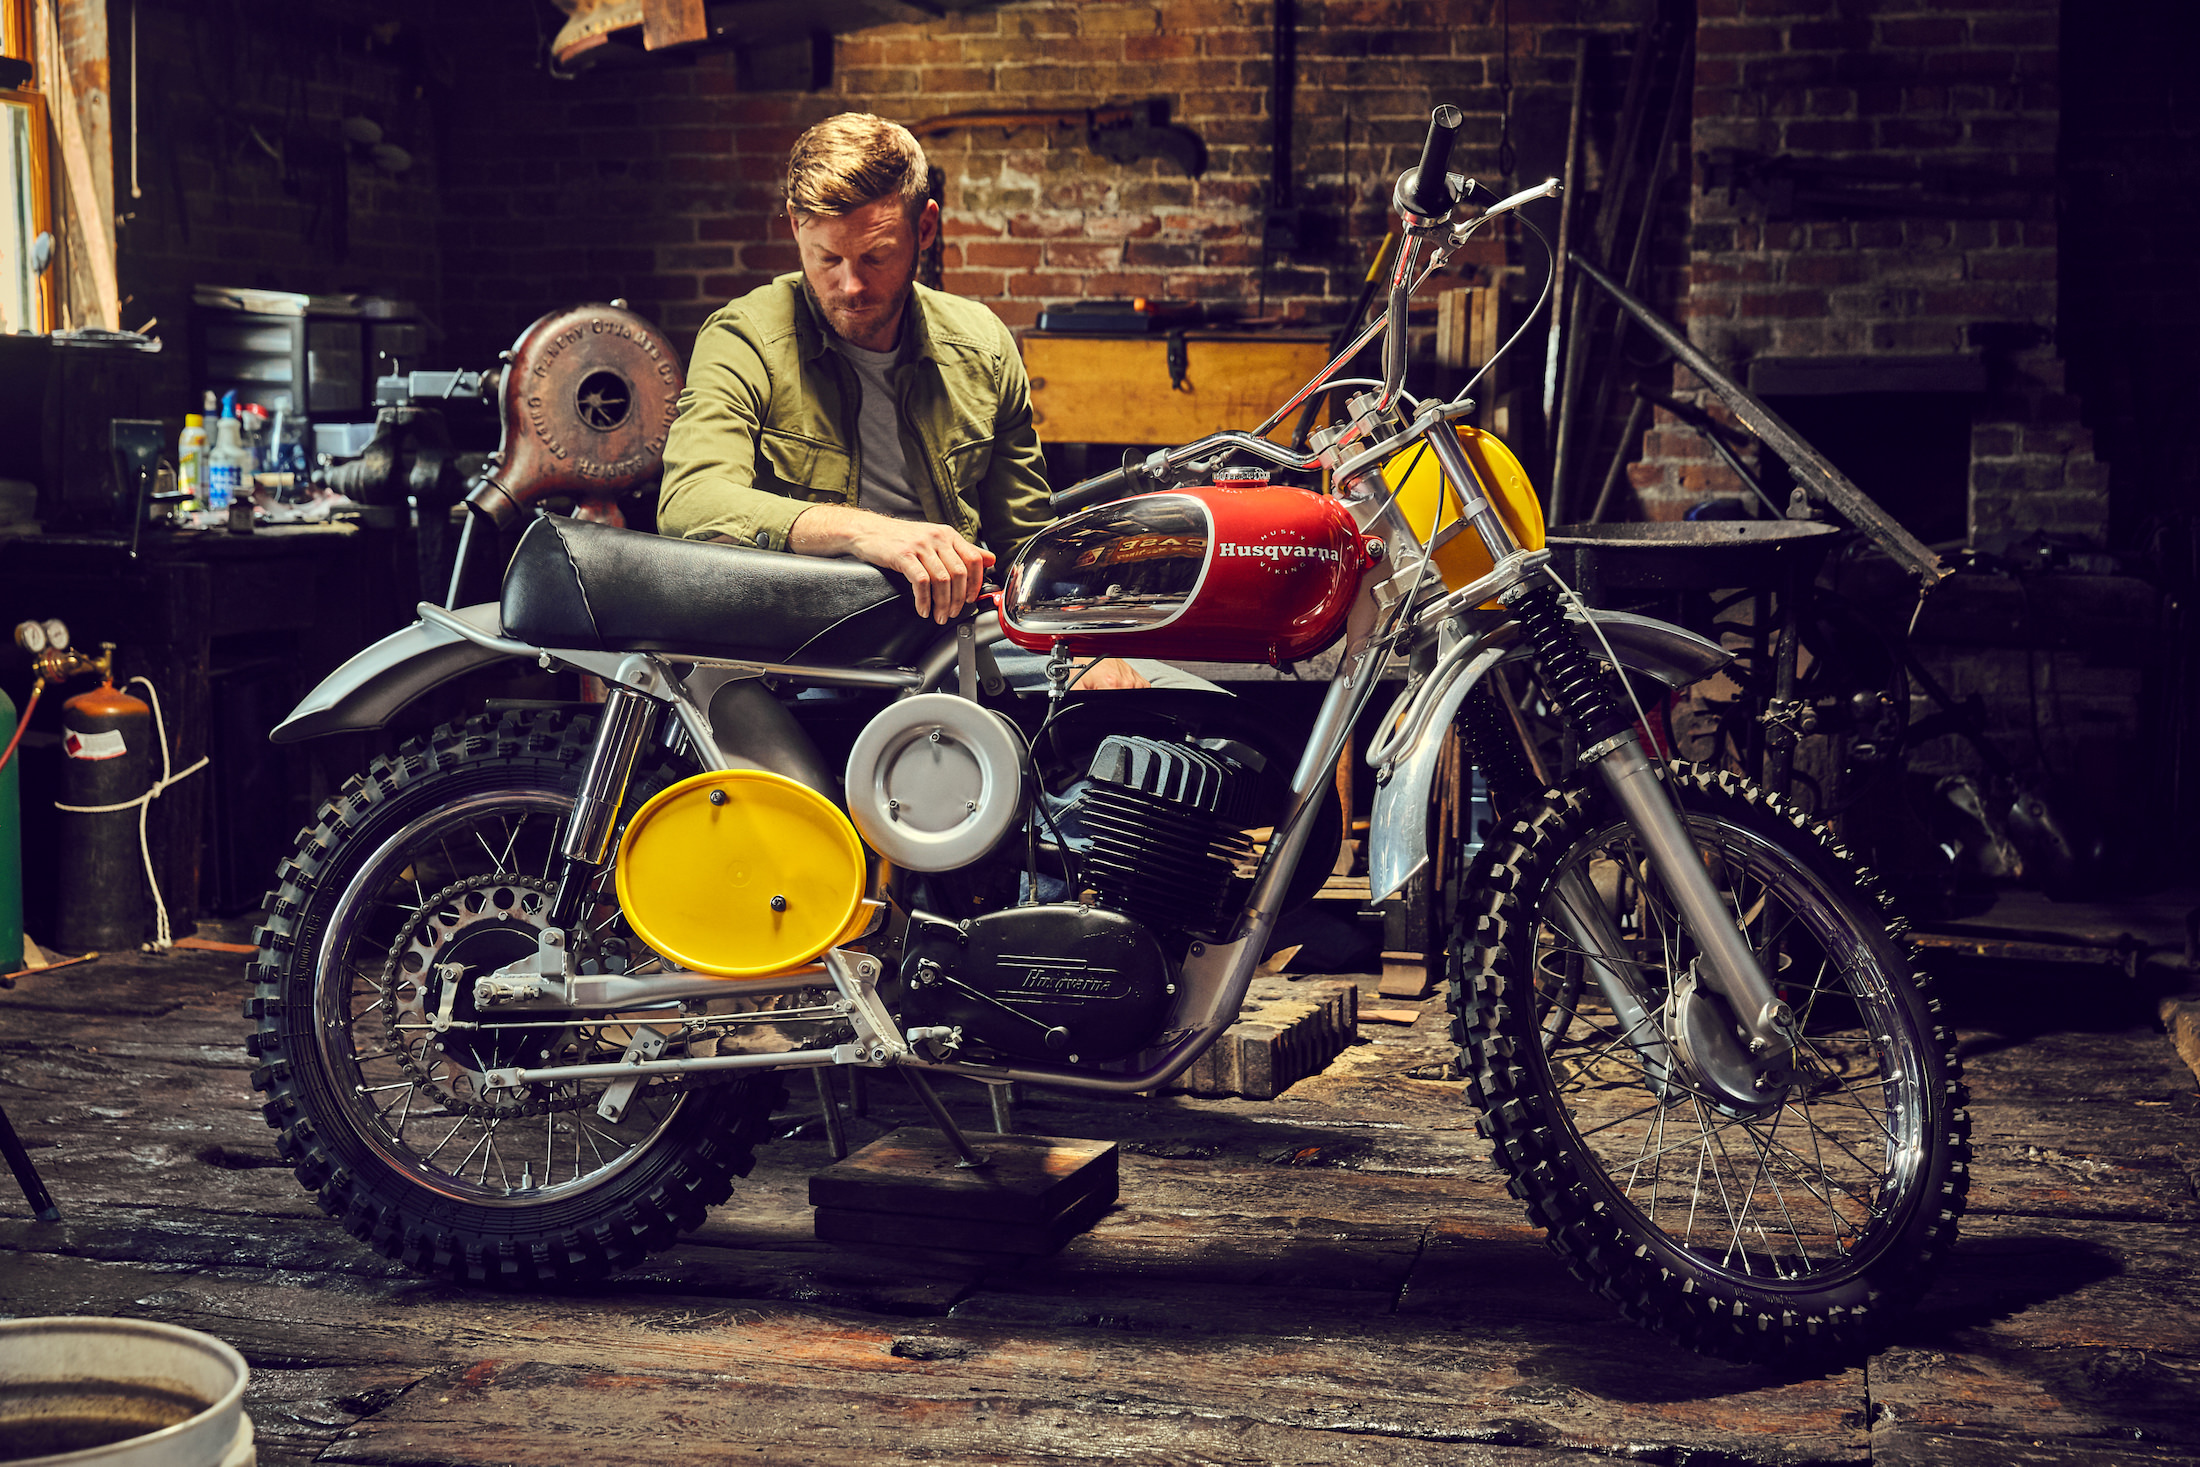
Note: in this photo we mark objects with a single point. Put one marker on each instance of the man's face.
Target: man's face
(860, 266)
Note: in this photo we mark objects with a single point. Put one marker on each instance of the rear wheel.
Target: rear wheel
(1783, 1220)
(374, 1067)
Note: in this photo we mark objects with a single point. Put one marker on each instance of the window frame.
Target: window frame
(16, 36)
(41, 182)
(18, 39)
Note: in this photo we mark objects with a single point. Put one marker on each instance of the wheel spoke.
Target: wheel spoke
(381, 960)
(425, 872)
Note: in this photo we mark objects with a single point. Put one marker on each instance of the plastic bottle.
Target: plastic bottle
(252, 424)
(191, 460)
(228, 466)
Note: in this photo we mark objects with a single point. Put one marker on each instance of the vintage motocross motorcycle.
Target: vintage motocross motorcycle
(528, 990)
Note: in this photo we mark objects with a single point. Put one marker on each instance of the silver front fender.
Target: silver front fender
(1398, 824)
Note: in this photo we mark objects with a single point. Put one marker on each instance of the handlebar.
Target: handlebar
(1426, 190)
(1140, 476)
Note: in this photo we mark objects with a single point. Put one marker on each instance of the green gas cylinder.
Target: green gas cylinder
(11, 849)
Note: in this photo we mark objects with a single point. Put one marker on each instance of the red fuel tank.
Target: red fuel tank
(1211, 574)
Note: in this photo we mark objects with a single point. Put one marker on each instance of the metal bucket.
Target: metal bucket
(120, 1393)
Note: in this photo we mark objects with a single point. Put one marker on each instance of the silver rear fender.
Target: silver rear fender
(376, 682)
(1398, 823)
(734, 724)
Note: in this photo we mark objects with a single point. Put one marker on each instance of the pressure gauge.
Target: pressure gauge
(57, 635)
(31, 637)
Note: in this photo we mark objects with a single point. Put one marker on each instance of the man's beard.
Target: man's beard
(838, 315)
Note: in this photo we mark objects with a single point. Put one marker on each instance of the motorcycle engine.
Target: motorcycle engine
(1153, 834)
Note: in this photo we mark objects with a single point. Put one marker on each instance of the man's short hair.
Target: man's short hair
(854, 159)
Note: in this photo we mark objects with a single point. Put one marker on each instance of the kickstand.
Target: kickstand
(944, 1121)
(34, 1190)
(828, 1105)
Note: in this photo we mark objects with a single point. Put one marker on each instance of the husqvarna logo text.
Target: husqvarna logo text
(1225, 550)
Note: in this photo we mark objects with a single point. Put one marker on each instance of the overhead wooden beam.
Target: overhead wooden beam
(672, 23)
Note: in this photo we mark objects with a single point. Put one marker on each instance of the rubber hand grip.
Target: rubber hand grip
(1115, 484)
(1431, 193)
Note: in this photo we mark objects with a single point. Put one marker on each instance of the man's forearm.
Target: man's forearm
(945, 572)
(828, 529)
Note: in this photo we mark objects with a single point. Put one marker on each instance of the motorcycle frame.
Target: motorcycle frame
(1213, 980)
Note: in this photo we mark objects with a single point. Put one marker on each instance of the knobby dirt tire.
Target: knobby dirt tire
(1858, 1179)
(634, 1186)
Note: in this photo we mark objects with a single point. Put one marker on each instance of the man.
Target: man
(846, 410)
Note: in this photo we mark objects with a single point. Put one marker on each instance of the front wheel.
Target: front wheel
(444, 859)
(1781, 1221)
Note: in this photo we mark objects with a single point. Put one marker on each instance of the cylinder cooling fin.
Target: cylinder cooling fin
(1166, 821)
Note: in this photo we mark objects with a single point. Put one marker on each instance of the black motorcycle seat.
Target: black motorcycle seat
(573, 583)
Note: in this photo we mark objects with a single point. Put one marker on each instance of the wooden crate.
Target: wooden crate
(1115, 389)
(905, 1189)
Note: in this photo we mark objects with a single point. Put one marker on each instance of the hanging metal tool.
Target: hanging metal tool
(1123, 134)
(1286, 229)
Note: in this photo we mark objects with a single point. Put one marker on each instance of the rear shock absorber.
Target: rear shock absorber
(1587, 695)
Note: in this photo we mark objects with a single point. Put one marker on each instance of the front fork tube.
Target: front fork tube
(628, 719)
(1596, 706)
(1732, 967)
(1581, 915)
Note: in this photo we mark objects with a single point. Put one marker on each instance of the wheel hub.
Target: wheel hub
(1700, 1028)
(473, 926)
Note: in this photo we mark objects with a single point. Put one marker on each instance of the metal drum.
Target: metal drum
(1689, 555)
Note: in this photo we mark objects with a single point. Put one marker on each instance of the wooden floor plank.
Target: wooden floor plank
(1337, 1275)
(530, 1414)
(2079, 1335)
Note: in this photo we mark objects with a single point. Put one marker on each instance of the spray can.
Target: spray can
(107, 736)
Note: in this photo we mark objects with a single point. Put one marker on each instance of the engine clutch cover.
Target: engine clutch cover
(1061, 983)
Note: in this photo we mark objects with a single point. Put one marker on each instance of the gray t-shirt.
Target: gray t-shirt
(887, 487)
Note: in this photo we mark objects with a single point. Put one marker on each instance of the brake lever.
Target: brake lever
(1548, 188)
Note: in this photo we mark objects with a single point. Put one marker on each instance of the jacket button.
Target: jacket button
(764, 539)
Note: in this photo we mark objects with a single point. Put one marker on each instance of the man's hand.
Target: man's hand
(1109, 672)
(945, 571)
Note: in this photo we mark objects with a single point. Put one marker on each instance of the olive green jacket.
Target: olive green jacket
(767, 424)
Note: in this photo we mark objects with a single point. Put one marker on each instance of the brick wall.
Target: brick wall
(1945, 113)
(244, 175)
(659, 183)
